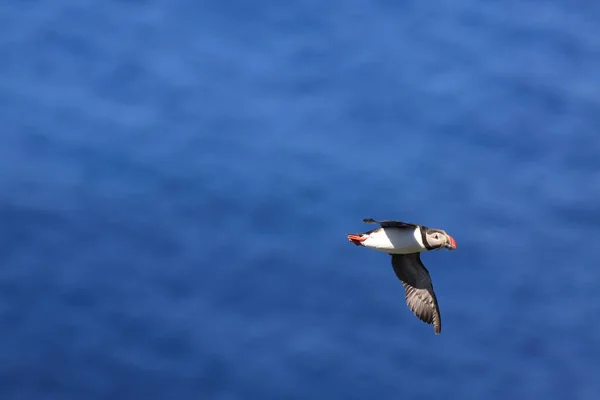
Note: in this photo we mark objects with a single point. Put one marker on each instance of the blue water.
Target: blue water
(177, 179)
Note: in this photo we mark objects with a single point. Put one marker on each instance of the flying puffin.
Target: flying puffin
(404, 242)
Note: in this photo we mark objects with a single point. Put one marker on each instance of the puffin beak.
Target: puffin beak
(356, 239)
(451, 243)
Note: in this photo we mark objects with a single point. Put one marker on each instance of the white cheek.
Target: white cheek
(436, 242)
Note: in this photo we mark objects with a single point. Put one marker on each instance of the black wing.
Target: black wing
(420, 296)
(390, 223)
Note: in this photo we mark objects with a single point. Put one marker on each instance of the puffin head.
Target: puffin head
(439, 239)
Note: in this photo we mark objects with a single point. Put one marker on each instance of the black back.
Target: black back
(391, 223)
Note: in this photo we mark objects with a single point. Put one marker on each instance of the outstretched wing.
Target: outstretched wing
(420, 296)
(390, 223)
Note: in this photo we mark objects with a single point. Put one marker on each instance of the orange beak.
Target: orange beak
(356, 239)
(451, 243)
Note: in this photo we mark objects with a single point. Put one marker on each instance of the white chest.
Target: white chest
(396, 241)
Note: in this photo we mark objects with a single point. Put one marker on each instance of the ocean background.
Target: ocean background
(177, 179)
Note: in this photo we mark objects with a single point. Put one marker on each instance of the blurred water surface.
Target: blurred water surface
(177, 179)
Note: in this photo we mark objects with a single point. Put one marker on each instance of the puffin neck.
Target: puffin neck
(424, 237)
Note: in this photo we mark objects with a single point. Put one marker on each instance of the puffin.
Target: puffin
(405, 242)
